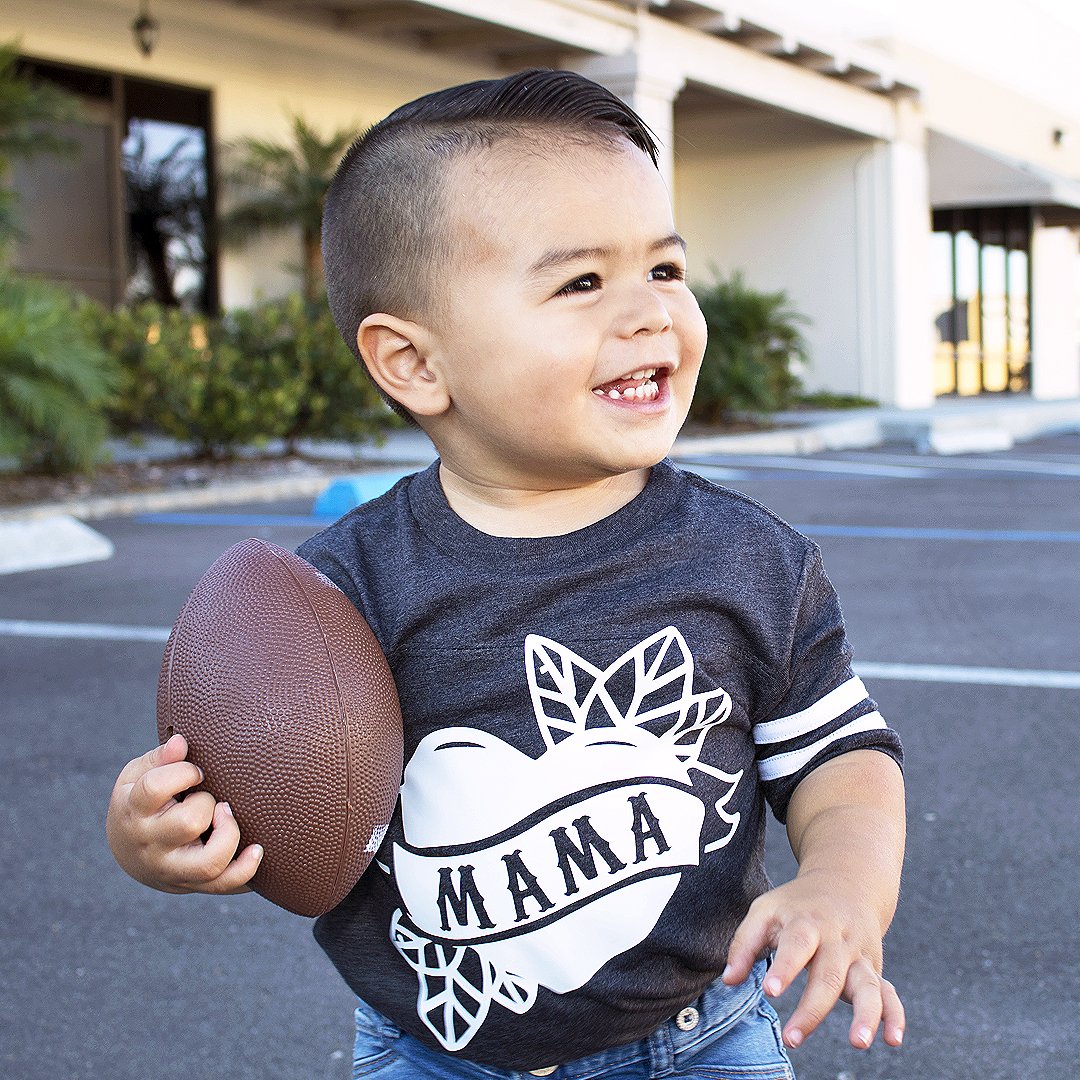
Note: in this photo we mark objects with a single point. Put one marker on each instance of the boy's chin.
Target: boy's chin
(638, 458)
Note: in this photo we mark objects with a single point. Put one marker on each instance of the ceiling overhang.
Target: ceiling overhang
(964, 175)
(512, 34)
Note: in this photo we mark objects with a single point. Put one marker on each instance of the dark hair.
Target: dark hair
(384, 233)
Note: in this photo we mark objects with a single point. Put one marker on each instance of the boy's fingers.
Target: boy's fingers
(752, 938)
(209, 867)
(184, 822)
(796, 946)
(215, 869)
(174, 749)
(893, 1015)
(224, 838)
(235, 877)
(827, 978)
(154, 789)
(867, 1003)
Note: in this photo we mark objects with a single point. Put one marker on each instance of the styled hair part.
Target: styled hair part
(385, 234)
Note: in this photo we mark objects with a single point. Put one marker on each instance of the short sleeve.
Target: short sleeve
(826, 711)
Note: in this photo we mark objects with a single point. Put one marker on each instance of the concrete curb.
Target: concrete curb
(292, 487)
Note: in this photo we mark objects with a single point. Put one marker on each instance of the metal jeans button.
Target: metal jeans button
(687, 1019)
(543, 1072)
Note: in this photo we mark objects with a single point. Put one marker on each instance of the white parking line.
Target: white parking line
(930, 463)
(869, 669)
(891, 466)
(801, 464)
(91, 631)
(982, 676)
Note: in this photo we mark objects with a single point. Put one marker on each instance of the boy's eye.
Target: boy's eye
(667, 272)
(584, 283)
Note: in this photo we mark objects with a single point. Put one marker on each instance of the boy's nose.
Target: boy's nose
(646, 313)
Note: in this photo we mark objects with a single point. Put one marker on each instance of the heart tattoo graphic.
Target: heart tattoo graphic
(518, 873)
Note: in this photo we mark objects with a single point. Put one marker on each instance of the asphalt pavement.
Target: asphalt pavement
(960, 579)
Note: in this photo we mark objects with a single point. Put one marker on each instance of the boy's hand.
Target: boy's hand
(157, 837)
(814, 923)
(846, 826)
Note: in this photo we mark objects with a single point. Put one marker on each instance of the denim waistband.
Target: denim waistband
(712, 1014)
(718, 1009)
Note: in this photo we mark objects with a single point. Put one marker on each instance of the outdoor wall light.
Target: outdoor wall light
(145, 29)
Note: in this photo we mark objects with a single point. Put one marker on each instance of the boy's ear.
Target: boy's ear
(396, 352)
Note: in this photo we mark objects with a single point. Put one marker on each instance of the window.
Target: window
(980, 275)
(130, 217)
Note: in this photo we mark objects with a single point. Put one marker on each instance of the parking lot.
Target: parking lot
(960, 580)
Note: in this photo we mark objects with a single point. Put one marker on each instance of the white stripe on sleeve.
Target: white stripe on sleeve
(835, 703)
(779, 765)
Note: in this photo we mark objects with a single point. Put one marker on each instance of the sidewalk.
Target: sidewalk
(975, 425)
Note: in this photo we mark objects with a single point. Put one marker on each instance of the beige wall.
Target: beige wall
(777, 199)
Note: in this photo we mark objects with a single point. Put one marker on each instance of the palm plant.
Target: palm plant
(754, 346)
(54, 382)
(27, 109)
(283, 185)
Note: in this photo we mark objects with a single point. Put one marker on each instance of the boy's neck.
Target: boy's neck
(524, 512)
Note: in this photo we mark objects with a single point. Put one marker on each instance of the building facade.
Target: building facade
(924, 219)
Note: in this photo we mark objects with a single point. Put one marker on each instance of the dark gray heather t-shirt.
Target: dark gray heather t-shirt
(593, 723)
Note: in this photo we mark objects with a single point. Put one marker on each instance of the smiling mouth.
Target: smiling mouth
(637, 386)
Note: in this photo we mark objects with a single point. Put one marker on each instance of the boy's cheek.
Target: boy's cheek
(694, 331)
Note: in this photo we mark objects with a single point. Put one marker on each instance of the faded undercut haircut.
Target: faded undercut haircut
(385, 235)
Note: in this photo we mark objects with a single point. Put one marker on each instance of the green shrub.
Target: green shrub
(199, 380)
(754, 344)
(338, 400)
(276, 371)
(54, 379)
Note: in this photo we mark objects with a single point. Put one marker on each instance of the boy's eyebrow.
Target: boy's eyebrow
(559, 256)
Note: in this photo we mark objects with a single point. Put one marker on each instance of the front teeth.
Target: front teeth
(646, 391)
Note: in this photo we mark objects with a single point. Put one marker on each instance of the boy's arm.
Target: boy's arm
(159, 839)
(845, 822)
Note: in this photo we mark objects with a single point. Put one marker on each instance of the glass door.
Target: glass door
(980, 272)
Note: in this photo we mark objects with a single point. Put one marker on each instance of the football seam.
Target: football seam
(350, 817)
(174, 641)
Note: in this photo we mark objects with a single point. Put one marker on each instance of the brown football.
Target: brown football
(289, 708)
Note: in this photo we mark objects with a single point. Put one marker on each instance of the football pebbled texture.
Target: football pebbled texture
(289, 708)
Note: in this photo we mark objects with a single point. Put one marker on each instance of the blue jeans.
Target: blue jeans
(730, 1033)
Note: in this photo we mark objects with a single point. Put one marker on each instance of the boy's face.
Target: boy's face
(568, 340)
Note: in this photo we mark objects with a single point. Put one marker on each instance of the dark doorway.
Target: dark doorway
(130, 217)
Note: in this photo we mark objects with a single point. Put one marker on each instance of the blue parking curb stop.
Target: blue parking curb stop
(347, 492)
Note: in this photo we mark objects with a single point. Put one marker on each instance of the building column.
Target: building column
(649, 85)
(1055, 327)
(893, 237)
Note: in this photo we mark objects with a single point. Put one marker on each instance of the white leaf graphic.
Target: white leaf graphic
(703, 712)
(448, 1003)
(554, 672)
(661, 662)
(514, 993)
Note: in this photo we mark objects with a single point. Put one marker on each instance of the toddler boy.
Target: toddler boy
(606, 666)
